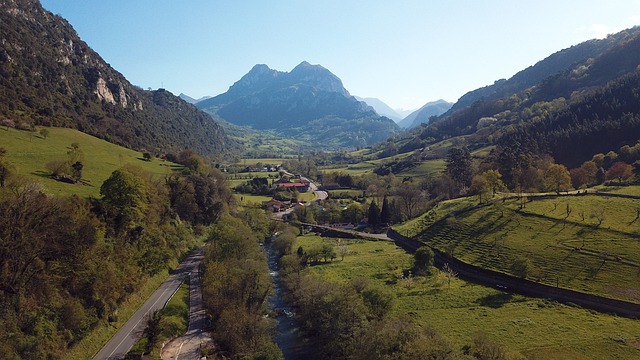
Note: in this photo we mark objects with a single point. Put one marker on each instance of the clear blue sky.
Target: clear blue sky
(405, 53)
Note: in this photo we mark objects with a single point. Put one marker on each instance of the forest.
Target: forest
(68, 263)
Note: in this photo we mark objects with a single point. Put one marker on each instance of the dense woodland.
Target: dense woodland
(67, 263)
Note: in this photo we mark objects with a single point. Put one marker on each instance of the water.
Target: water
(289, 337)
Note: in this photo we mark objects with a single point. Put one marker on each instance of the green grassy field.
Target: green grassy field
(29, 153)
(427, 168)
(537, 328)
(266, 161)
(234, 180)
(626, 190)
(345, 192)
(416, 225)
(561, 251)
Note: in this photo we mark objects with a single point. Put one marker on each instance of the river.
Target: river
(289, 337)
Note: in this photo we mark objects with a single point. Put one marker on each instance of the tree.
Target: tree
(620, 171)
(479, 186)
(146, 156)
(44, 132)
(520, 267)
(5, 168)
(449, 273)
(385, 213)
(58, 167)
(354, 213)
(74, 154)
(423, 260)
(557, 178)
(124, 197)
(373, 217)
(494, 181)
(411, 196)
(76, 170)
(343, 250)
(458, 166)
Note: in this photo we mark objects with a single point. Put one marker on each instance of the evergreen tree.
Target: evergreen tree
(374, 214)
(385, 214)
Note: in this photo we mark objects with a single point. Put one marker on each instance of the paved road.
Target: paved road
(120, 344)
(188, 346)
(321, 195)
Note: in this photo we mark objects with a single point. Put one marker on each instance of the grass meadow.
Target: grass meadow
(561, 251)
(30, 152)
(537, 328)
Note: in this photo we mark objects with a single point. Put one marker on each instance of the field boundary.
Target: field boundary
(525, 287)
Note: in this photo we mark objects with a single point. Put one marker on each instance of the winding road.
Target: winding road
(120, 344)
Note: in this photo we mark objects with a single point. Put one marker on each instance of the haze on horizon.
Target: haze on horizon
(404, 53)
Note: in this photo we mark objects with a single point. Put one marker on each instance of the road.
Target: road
(322, 195)
(188, 346)
(120, 344)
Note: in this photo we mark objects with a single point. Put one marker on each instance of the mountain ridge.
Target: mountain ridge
(381, 108)
(296, 103)
(424, 113)
(49, 76)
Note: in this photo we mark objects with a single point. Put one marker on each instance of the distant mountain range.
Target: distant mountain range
(49, 76)
(191, 100)
(411, 118)
(422, 115)
(307, 103)
(381, 108)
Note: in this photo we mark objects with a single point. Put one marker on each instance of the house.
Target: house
(273, 205)
(300, 185)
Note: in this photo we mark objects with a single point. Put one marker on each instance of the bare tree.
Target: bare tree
(598, 214)
(449, 273)
(343, 250)
(410, 198)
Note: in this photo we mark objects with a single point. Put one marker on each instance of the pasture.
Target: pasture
(29, 153)
(537, 328)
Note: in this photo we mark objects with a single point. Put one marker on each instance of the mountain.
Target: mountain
(381, 108)
(423, 114)
(49, 76)
(575, 103)
(404, 112)
(191, 100)
(549, 66)
(308, 103)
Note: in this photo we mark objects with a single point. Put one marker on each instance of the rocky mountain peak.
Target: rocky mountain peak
(317, 76)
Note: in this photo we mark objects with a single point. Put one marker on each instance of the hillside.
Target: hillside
(422, 115)
(50, 77)
(308, 103)
(381, 108)
(29, 153)
(563, 245)
(552, 65)
(581, 101)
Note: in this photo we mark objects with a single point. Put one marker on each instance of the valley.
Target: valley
(499, 226)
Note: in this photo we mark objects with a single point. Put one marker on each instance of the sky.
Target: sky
(403, 52)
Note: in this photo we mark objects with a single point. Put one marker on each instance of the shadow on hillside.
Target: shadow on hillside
(495, 301)
(43, 174)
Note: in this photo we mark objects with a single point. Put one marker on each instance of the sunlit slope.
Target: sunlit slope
(29, 153)
(585, 243)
